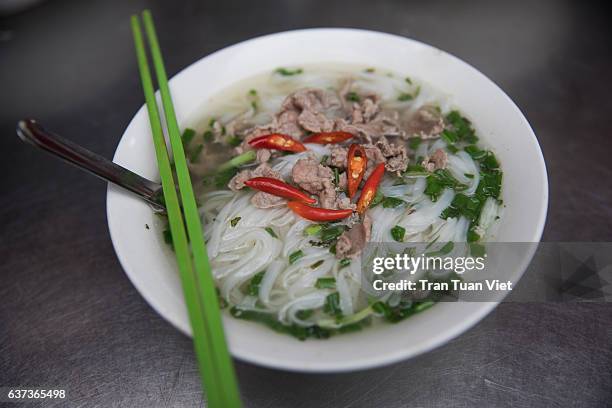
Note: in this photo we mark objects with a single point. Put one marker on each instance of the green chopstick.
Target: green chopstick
(216, 368)
(208, 292)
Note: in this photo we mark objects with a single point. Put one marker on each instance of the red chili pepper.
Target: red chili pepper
(277, 141)
(370, 187)
(356, 167)
(328, 137)
(279, 188)
(316, 213)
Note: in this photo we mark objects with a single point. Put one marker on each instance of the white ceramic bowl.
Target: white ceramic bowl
(151, 267)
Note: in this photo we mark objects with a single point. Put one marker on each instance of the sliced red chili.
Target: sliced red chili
(278, 141)
(279, 188)
(328, 137)
(356, 167)
(370, 187)
(316, 213)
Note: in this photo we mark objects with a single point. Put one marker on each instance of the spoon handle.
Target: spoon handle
(31, 132)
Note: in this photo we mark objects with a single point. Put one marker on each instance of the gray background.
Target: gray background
(69, 316)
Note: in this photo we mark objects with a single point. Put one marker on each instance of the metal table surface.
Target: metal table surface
(70, 318)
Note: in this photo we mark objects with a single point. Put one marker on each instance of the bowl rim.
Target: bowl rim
(388, 357)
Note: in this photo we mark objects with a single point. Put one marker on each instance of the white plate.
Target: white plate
(151, 267)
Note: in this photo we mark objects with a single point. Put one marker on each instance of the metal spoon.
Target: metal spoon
(31, 132)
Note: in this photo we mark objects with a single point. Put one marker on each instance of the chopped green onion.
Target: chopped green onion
(255, 283)
(345, 262)
(317, 264)
(289, 72)
(234, 221)
(295, 256)
(270, 231)
(313, 229)
(326, 283)
(332, 305)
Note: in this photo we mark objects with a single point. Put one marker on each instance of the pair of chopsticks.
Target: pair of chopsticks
(216, 368)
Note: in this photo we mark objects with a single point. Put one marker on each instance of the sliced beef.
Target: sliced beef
(396, 155)
(309, 109)
(381, 125)
(315, 122)
(337, 156)
(315, 178)
(427, 122)
(365, 110)
(437, 160)
(265, 200)
(351, 242)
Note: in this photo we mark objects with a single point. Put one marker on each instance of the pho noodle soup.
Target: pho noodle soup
(297, 170)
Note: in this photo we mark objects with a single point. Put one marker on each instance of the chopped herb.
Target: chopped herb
(304, 314)
(472, 236)
(378, 198)
(416, 170)
(195, 154)
(461, 127)
(392, 202)
(332, 305)
(352, 96)
(489, 162)
(336, 176)
(414, 142)
(452, 149)
(208, 136)
(438, 181)
(270, 320)
(398, 233)
(255, 283)
(475, 152)
(187, 136)
(147, 226)
(332, 248)
(313, 229)
(253, 92)
(345, 262)
(212, 122)
(324, 160)
(270, 231)
(449, 137)
(407, 79)
(289, 72)
(295, 256)
(405, 97)
(326, 283)
(223, 130)
(254, 105)
(235, 221)
(330, 233)
(234, 141)
(369, 70)
(468, 175)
